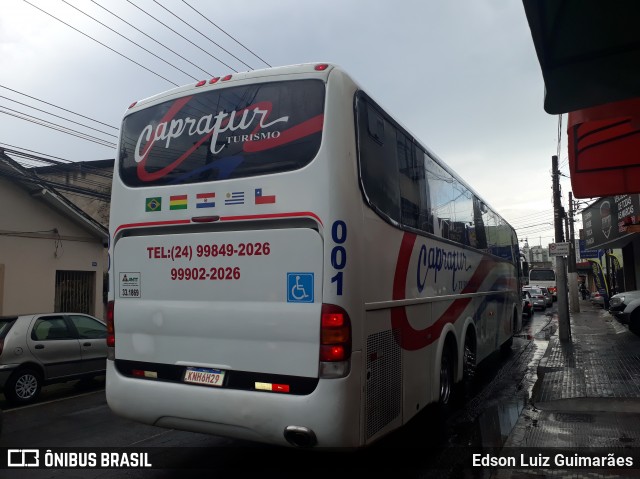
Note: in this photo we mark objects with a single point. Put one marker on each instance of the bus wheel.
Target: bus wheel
(464, 389)
(446, 376)
(469, 358)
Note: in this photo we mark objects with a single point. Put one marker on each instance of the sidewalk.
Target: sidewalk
(587, 394)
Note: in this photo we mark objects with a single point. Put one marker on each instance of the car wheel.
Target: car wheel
(23, 386)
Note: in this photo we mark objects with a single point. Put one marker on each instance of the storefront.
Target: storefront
(609, 224)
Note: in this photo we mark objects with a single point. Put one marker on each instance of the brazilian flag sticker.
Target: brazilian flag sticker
(153, 204)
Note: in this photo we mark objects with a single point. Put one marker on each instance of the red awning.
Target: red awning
(604, 149)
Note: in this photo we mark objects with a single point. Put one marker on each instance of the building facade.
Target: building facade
(53, 256)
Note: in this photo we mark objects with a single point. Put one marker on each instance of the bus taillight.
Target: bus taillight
(335, 342)
(111, 333)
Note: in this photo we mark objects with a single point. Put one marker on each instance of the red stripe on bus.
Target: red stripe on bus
(224, 218)
(413, 339)
(402, 266)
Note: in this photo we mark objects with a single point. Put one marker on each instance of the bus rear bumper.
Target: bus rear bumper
(331, 413)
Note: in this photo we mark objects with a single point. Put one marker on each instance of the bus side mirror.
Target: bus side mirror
(525, 269)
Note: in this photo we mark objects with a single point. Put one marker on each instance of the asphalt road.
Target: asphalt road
(76, 416)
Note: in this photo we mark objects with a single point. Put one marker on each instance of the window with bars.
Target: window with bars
(75, 291)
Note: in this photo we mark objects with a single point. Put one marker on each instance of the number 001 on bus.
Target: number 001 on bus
(306, 271)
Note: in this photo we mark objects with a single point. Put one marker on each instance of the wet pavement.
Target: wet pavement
(585, 400)
(543, 397)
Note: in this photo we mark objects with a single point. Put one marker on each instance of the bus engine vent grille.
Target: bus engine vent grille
(384, 380)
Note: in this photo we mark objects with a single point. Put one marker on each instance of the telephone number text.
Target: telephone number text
(203, 274)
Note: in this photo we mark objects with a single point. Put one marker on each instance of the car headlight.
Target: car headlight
(617, 301)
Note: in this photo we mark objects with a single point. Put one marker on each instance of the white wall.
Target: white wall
(32, 253)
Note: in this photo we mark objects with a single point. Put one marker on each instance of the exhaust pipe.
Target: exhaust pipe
(300, 436)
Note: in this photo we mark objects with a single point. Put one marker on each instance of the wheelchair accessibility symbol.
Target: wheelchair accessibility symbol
(299, 287)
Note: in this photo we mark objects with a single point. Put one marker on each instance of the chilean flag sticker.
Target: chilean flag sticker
(263, 200)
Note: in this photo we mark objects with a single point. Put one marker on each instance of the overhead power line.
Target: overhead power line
(543, 212)
(535, 225)
(234, 39)
(151, 38)
(131, 41)
(99, 42)
(59, 107)
(57, 116)
(86, 185)
(55, 160)
(180, 35)
(61, 186)
(55, 126)
(195, 29)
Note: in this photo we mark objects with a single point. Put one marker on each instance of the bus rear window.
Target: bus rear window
(224, 133)
(542, 275)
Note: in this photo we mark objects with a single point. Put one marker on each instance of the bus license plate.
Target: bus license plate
(205, 376)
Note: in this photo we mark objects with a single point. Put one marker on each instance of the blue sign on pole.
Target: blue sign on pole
(588, 253)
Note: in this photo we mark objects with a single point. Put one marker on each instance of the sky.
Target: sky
(461, 75)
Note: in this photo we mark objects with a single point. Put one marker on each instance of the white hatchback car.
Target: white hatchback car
(38, 349)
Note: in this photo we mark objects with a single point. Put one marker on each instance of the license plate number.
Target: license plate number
(205, 376)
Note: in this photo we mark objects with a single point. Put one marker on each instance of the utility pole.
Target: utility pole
(564, 326)
(574, 301)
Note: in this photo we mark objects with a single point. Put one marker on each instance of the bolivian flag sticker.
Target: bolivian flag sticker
(178, 202)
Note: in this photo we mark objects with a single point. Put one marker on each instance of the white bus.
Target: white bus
(289, 265)
(544, 278)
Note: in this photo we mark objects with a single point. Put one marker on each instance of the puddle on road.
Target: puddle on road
(495, 424)
(539, 327)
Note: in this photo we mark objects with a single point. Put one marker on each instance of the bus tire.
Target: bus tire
(465, 388)
(469, 364)
(446, 376)
(505, 348)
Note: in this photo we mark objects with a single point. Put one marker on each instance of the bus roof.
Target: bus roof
(317, 69)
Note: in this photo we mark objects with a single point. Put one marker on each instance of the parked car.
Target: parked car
(597, 299)
(548, 296)
(527, 304)
(39, 349)
(626, 307)
(538, 298)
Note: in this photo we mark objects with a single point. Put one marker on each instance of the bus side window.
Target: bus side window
(442, 196)
(378, 160)
(375, 126)
(413, 192)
